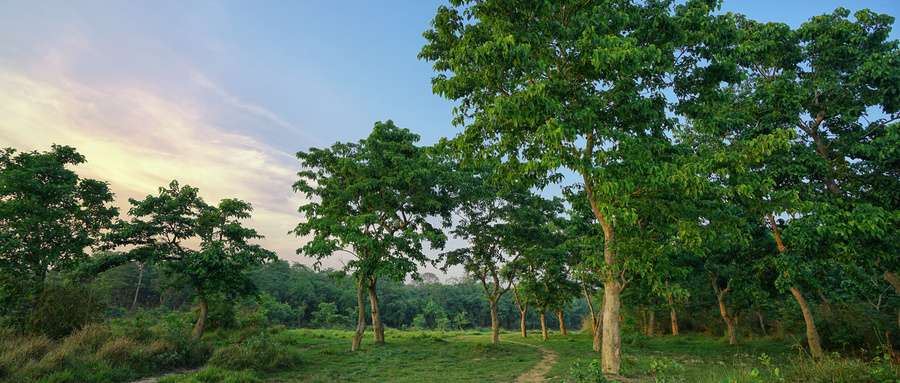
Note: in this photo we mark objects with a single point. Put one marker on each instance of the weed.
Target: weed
(666, 370)
(587, 374)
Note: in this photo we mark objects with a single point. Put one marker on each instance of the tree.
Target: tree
(571, 84)
(373, 199)
(164, 227)
(821, 89)
(48, 217)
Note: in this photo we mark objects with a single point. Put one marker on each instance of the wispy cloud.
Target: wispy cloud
(139, 141)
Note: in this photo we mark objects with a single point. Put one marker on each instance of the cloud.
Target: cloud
(138, 141)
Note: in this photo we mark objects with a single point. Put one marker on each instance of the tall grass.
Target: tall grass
(98, 352)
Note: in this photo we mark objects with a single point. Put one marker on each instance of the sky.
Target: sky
(220, 95)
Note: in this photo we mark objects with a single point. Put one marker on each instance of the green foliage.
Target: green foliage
(327, 316)
(587, 374)
(62, 308)
(263, 352)
(48, 217)
(372, 198)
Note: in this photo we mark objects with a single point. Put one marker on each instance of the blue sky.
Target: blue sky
(221, 94)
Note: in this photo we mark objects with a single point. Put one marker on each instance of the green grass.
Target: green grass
(107, 354)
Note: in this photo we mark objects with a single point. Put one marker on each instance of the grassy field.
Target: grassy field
(111, 354)
(323, 356)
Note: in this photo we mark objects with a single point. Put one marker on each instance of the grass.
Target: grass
(104, 353)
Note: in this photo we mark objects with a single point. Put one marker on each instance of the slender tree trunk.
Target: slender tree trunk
(562, 324)
(543, 325)
(673, 315)
(200, 326)
(522, 322)
(891, 277)
(611, 351)
(495, 323)
(590, 305)
(598, 331)
(377, 325)
(812, 335)
(730, 322)
(651, 325)
(726, 315)
(361, 317)
(137, 289)
(762, 322)
(523, 309)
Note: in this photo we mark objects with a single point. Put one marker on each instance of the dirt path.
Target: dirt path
(536, 373)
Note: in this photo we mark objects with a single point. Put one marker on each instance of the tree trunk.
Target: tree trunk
(200, 326)
(377, 325)
(562, 324)
(522, 323)
(891, 277)
(361, 317)
(523, 309)
(543, 325)
(137, 290)
(651, 325)
(611, 351)
(762, 322)
(673, 315)
(812, 335)
(729, 321)
(598, 331)
(495, 323)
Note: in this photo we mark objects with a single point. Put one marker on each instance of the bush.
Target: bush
(259, 353)
(61, 309)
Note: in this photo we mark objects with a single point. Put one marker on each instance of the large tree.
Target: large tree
(48, 217)
(570, 84)
(830, 90)
(373, 199)
(201, 246)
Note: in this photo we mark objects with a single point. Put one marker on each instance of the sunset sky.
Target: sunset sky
(220, 95)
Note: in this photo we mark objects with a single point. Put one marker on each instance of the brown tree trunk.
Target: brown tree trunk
(673, 315)
(891, 277)
(651, 324)
(730, 322)
(522, 323)
(361, 317)
(495, 323)
(377, 325)
(562, 325)
(200, 326)
(726, 315)
(137, 290)
(598, 331)
(611, 350)
(543, 325)
(762, 322)
(812, 335)
(523, 309)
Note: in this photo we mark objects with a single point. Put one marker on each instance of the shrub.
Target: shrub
(259, 353)
(587, 374)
